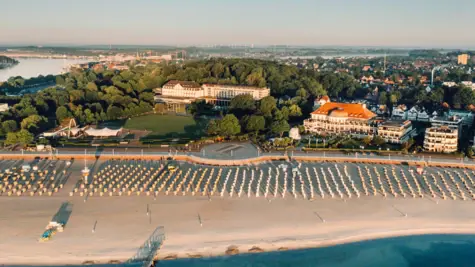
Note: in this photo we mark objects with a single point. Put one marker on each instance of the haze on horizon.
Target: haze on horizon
(402, 23)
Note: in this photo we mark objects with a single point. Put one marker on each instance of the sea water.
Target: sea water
(408, 251)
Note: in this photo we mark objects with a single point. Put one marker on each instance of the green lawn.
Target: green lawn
(166, 126)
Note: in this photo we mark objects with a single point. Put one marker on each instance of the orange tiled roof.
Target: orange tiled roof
(354, 111)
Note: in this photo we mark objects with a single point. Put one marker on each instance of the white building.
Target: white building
(295, 134)
(227, 92)
(469, 84)
(399, 112)
(4, 107)
(341, 118)
(417, 114)
(187, 92)
(449, 84)
(396, 132)
(441, 139)
(179, 91)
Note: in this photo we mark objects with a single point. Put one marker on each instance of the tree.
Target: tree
(229, 125)
(367, 140)
(279, 127)
(379, 141)
(10, 126)
(242, 104)
(60, 80)
(302, 93)
(114, 112)
(33, 123)
(200, 107)
(11, 138)
(91, 86)
(295, 111)
(383, 98)
(267, 105)
(213, 128)
(255, 123)
(408, 144)
(469, 153)
(23, 137)
(62, 113)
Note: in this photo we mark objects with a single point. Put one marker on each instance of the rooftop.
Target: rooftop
(395, 123)
(234, 86)
(186, 84)
(442, 129)
(350, 110)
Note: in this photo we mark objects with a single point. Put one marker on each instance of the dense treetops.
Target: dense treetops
(95, 95)
(7, 60)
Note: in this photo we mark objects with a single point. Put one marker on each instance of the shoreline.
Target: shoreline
(306, 243)
(311, 243)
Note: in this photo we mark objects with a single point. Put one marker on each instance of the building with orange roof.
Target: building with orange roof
(341, 118)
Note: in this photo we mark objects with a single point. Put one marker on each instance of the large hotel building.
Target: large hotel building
(356, 120)
(341, 118)
(185, 92)
(441, 139)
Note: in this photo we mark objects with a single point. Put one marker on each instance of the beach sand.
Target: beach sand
(123, 225)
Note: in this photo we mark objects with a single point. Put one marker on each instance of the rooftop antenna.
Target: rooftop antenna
(384, 68)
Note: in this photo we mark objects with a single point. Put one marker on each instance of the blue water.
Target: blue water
(411, 251)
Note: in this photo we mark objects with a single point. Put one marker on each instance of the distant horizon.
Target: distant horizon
(73, 45)
(357, 23)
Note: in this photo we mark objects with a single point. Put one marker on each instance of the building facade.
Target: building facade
(452, 122)
(187, 92)
(441, 139)
(462, 59)
(341, 118)
(221, 92)
(396, 132)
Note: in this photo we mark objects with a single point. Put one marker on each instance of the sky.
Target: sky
(393, 23)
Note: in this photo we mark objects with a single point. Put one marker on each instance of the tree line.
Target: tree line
(99, 94)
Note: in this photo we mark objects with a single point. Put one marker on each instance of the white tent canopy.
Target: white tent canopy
(105, 132)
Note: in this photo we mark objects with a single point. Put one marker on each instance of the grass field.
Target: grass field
(166, 126)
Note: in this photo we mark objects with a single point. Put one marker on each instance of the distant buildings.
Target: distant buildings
(468, 84)
(321, 101)
(4, 107)
(449, 84)
(417, 114)
(452, 122)
(462, 59)
(341, 118)
(441, 139)
(187, 92)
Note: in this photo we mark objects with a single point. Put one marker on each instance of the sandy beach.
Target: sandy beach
(123, 225)
(112, 228)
